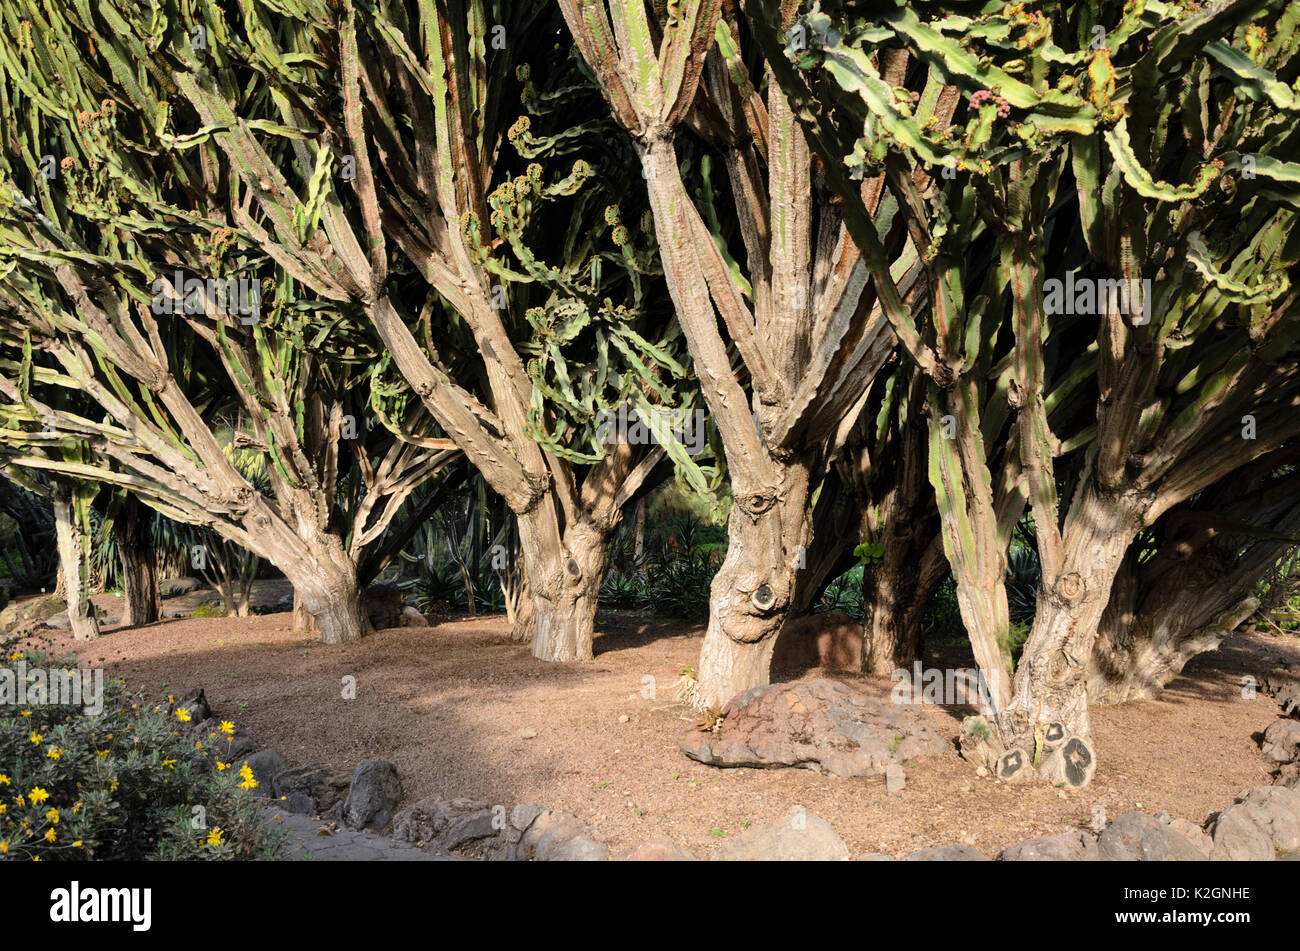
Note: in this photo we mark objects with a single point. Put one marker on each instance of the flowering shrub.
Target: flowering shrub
(134, 782)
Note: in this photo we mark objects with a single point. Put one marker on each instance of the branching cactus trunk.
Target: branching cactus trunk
(327, 596)
(897, 589)
(564, 583)
(753, 590)
(974, 537)
(1051, 682)
(141, 599)
(71, 528)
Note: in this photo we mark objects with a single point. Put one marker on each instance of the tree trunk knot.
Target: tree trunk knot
(756, 503)
(423, 388)
(1061, 667)
(1071, 586)
(763, 597)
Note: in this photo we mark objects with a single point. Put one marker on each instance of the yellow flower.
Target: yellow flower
(214, 837)
(77, 844)
(101, 753)
(171, 699)
(4, 848)
(198, 745)
(3, 809)
(221, 766)
(38, 795)
(76, 807)
(36, 858)
(247, 773)
(183, 715)
(4, 780)
(20, 801)
(227, 727)
(27, 713)
(112, 785)
(36, 737)
(53, 816)
(169, 763)
(49, 836)
(54, 752)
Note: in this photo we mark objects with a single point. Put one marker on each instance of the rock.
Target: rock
(26, 616)
(527, 734)
(1276, 810)
(559, 837)
(383, 603)
(832, 639)
(299, 803)
(807, 838)
(1282, 740)
(266, 765)
(1135, 836)
(521, 817)
(894, 779)
(196, 704)
(1075, 846)
(819, 724)
(374, 791)
(1193, 834)
(237, 746)
(443, 825)
(59, 622)
(413, 618)
(658, 849)
(948, 853)
(174, 587)
(1288, 776)
(1237, 838)
(313, 782)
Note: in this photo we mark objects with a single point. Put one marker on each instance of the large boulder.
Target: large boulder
(1282, 741)
(804, 838)
(308, 789)
(443, 825)
(1276, 810)
(23, 617)
(1136, 837)
(175, 587)
(1075, 846)
(553, 836)
(819, 724)
(372, 796)
(832, 639)
(1238, 838)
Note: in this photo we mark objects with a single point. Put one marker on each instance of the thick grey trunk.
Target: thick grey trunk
(896, 590)
(1051, 681)
(1181, 602)
(327, 597)
(74, 564)
(141, 600)
(754, 589)
(564, 586)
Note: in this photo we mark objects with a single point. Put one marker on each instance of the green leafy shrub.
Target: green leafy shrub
(845, 594)
(133, 782)
(621, 591)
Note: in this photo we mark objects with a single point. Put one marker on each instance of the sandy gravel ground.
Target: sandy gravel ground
(450, 705)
